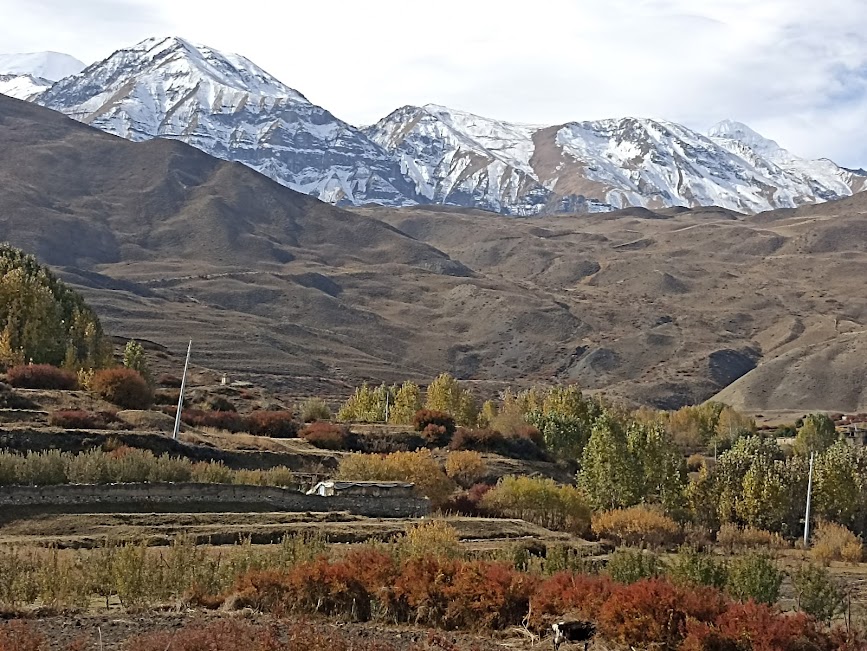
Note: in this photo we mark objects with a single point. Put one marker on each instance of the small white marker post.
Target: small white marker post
(181, 397)
(809, 495)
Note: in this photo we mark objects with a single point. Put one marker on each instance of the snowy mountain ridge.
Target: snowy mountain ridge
(229, 107)
(456, 157)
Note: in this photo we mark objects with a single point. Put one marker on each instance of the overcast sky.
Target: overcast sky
(794, 70)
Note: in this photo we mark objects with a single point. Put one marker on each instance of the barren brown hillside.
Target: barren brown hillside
(664, 307)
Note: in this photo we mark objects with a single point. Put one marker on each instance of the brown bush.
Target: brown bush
(41, 376)
(327, 436)
(123, 387)
(229, 421)
(637, 525)
(522, 445)
(419, 468)
(425, 417)
(733, 537)
(834, 542)
(169, 380)
(466, 467)
(218, 403)
(276, 424)
(435, 435)
(468, 502)
(80, 419)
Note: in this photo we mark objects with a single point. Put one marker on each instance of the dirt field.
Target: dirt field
(108, 632)
(89, 530)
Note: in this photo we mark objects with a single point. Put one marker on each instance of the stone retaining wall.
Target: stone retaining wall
(197, 498)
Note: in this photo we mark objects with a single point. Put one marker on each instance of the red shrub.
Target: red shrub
(435, 435)
(373, 568)
(326, 435)
(480, 440)
(425, 417)
(277, 424)
(486, 595)
(80, 419)
(766, 629)
(421, 589)
(468, 502)
(41, 376)
(18, 636)
(580, 594)
(654, 611)
(225, 420)
(123, 387)
(528, 443)
(319, 587)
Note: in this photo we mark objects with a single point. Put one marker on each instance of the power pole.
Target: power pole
(809, 495)
(181, 396)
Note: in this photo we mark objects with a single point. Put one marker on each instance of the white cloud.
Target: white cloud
(795, 70)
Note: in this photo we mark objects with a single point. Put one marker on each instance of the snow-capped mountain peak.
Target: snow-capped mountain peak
(43, 65)
(174, 55)
(226, 105)
(25, 76)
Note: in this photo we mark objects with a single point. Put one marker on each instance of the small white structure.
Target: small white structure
(334, 487)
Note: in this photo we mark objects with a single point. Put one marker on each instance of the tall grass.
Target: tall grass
(126, 465)
(138, 576)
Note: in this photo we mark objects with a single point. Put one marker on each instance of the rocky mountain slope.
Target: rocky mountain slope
(460, 158)
(227, 106)
(168, 243)
(27, 75)
(661, 307)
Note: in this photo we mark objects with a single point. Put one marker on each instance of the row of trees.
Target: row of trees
(43, 321)
(628, 458)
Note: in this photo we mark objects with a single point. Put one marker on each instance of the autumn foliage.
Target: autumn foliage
(123, 387)
(41, 376)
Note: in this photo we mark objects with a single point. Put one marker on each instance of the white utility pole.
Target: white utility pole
(181, 397)
(809, 495)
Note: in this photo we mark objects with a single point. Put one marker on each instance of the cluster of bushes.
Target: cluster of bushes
(81, 419)
(120, 386)
(637, 525)
(276, 424)
(449, 593)
(424, 578)
(137, 574)
(524, 443)
(41, 376)
(126, 465)
(539, 500)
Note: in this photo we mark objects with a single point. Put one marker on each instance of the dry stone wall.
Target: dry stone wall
(198, 498)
